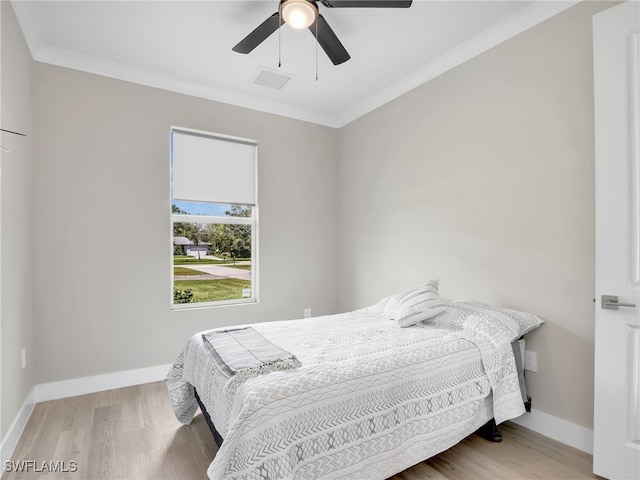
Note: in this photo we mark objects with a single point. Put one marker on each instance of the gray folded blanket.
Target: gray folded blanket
(244, 353)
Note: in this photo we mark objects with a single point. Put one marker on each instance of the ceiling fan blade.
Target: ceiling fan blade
(367, 3)
(259, 35)
(329, 41)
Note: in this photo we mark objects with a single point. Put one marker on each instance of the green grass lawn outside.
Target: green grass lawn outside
(189, 260)
(214, 290)
(187, 271)
(241, 267)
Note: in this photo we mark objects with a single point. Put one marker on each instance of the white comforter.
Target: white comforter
(370, 399)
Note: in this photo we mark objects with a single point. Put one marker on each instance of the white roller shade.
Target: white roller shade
(213, 169)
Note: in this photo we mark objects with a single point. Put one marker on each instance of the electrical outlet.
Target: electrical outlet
(530, 361)
(23, 356)
(307, 313)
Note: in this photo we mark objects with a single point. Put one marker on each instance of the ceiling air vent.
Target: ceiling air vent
(270, 78)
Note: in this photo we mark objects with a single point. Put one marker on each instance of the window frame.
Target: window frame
(210, 219)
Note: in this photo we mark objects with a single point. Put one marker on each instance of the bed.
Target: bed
(369, 398)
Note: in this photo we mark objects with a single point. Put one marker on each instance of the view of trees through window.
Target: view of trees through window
(211, 258)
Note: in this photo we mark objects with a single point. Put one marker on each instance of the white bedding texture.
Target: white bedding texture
(369, 399)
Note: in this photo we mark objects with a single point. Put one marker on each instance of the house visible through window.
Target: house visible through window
(213, 219)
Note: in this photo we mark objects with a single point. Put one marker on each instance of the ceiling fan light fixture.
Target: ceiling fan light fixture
(299, 14)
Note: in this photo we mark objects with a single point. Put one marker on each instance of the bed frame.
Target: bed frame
(216, 436)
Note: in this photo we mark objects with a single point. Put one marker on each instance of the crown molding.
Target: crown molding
(534, 14)
(75, 61)
(531, 16)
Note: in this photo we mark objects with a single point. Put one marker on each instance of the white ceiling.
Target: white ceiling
(185, 46)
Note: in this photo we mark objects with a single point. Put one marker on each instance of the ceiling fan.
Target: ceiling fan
(301, 14)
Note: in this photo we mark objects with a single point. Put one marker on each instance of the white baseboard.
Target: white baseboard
(563, 431)
(10, 440)
(543, 423)
(98, 383)
(71, 388)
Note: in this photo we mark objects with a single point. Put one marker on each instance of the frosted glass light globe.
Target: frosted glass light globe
(299, 14)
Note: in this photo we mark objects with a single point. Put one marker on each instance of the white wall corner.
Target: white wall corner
(10, 441)
(71, 388)
(563, 431)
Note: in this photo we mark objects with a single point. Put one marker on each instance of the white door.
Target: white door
(617, 334)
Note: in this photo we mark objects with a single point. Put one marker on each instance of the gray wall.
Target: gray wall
(101, 183)
(484, 178)
(16, 235)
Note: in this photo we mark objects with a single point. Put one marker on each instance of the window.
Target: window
(213, 219)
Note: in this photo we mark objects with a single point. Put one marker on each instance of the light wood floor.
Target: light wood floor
(131, 433)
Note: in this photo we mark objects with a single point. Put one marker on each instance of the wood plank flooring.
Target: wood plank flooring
(131, 433)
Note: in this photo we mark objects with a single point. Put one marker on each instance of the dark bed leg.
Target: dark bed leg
(527, 405)
(489, 431)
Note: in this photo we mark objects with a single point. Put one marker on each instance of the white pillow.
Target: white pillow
(526, 321)
(419, 304)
